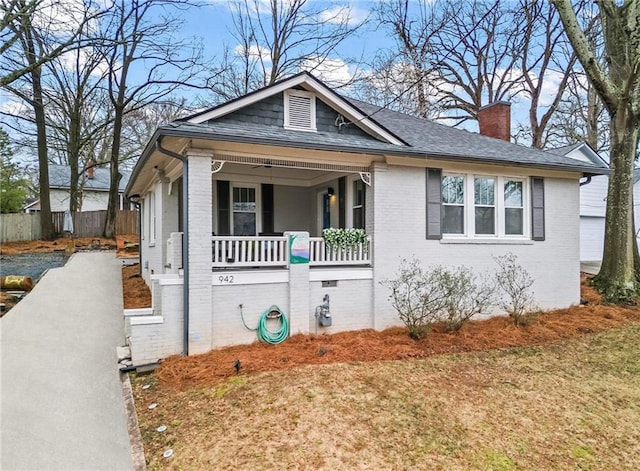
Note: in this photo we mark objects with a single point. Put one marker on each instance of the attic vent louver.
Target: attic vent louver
(299, 110)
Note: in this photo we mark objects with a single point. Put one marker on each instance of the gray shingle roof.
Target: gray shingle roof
(60, 177)
(423, 138)
(431, 138)
(564, 150)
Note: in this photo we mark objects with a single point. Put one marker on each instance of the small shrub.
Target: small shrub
(417, 299)
(439, 294)
(515, 283)
(465, 295)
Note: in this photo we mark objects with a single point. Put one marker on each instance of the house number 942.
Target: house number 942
(225, 279)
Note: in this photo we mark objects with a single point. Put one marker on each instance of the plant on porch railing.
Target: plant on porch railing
(345, 238)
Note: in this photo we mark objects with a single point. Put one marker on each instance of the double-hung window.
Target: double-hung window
(358, 221)
(484, 206)
(484, 202)
(453, 204)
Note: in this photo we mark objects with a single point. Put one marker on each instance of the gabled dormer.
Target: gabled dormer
(298, 103)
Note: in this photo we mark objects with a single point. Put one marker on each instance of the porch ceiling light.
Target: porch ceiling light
(330, 191)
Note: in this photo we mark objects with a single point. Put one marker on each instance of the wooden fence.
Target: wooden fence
(21, 226)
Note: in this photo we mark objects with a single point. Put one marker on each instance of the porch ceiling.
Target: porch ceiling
(275, 175)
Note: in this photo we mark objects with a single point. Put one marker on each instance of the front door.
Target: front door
(323, 212)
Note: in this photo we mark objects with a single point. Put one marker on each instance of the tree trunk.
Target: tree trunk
(110, 224)
(617, 278)
(46, 223)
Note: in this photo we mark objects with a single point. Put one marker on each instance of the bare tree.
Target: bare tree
(146, 64)
(278, 39)
(28, 50)
(406, 76)
(477, 56)
(617, 83)
(545, 58)
(45, 14)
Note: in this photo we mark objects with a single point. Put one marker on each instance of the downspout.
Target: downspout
(132, 200)
(587, 181)
(185, 241)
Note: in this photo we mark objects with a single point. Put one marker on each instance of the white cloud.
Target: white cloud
(82, 58)
(255, 52)
(13, 106)
(333, 72)
(343, 15)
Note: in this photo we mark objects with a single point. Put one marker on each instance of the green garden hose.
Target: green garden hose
(264, 334)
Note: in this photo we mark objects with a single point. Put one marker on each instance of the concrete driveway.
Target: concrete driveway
(62, 405)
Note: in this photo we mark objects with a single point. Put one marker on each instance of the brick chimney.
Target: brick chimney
(91, 169)
(495, 120)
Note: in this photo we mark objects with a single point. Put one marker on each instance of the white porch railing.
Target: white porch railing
(249, 251)
(229, 251)
(322, 254)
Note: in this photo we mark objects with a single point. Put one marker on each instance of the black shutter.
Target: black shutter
(342, 198)
(267, 208)
(224, 205)
(537, 208)
(434, 203)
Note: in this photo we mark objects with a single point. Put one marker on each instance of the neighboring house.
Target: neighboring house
(240, 186)
(95, 190)
(593, 201)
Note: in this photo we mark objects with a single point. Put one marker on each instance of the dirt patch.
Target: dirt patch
(135, 292)
(392, 344)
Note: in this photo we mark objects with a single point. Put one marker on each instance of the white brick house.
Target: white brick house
(223, 192)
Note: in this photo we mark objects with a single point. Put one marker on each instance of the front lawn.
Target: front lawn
(572, 404)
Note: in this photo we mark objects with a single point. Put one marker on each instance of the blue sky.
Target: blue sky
(212, 22)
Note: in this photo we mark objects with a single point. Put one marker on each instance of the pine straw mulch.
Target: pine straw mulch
(126, 245)
(135, 292)
(180, 373)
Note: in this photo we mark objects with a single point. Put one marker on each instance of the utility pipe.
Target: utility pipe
(185, 241)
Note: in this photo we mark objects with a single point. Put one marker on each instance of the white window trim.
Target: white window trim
(350, 198)
(153, 211)
(465, 219)
(300, 93)
(257, 188)
(469, 208)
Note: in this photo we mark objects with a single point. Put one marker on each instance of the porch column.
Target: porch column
(199, 236)
(382, 257)
(299, 290)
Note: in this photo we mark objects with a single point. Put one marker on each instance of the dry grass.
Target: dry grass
(573, 404)
(553, 395)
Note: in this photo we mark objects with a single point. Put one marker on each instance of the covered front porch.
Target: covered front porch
(241, 220)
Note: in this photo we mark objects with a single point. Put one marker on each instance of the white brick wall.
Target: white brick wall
(350, 304)
(151, 342)
(399, 231)
(255, 298)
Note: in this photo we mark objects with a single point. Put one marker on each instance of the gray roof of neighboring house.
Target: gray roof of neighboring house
(564, 150)
(60, 178)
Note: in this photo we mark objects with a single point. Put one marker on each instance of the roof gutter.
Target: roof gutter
(185, 239)
(401, 151)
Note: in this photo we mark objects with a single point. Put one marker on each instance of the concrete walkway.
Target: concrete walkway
(62, 406)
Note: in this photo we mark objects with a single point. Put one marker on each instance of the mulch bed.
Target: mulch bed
(393, 344)
(135, 291)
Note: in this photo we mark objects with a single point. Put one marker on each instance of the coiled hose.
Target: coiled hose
(264, 333)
